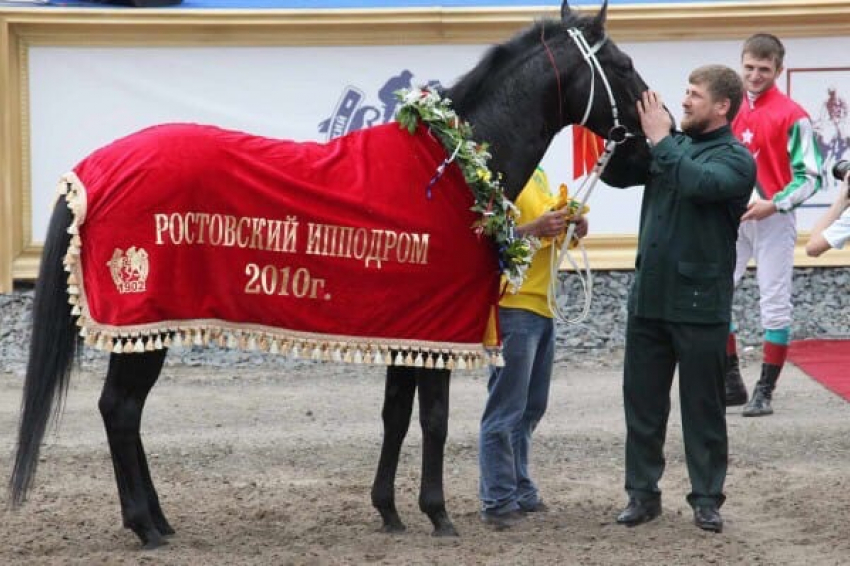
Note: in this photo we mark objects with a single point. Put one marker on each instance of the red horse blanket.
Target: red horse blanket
(331, 251)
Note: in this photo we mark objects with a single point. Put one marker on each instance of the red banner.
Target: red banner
(328, 250)
(587, 147)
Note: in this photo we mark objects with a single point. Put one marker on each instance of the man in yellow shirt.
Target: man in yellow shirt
(519, 391)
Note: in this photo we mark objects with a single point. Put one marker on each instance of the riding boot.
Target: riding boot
(759, 405)
(736, 391)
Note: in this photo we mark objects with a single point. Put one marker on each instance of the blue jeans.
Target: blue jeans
(517, 398)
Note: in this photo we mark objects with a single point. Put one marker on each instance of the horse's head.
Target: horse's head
(552, 74)
(601, 92)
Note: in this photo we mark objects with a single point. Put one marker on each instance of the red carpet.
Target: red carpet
(825, 361)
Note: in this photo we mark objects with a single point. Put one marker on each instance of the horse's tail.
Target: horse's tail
(53, 349)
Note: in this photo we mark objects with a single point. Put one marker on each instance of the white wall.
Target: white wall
(84, 97)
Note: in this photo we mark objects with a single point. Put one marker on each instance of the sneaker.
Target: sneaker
(538, 507)
(502, 521)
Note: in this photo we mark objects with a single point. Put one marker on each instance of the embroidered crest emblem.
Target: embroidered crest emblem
(129, 270)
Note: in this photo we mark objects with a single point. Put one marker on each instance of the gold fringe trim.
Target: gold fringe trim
(294, 345)
(293, 348)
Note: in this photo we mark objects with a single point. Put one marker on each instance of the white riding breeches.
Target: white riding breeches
(770, 242)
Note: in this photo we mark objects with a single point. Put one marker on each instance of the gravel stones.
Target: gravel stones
(821, 309)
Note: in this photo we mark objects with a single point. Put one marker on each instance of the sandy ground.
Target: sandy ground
(258, 468)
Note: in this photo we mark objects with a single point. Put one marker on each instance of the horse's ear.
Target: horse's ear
(600, 18)
(565, 10)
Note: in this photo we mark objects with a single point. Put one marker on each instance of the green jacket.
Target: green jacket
(698, 189)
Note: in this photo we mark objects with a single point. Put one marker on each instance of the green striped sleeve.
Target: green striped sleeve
(806, 167)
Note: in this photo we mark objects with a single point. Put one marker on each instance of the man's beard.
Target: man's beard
(693, 126)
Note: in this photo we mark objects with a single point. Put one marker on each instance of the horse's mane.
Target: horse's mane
(503, 57)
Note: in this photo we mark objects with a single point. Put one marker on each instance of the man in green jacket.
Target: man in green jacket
(681, 299)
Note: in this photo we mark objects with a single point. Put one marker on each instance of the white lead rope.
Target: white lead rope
(557, 255)
(585, 278)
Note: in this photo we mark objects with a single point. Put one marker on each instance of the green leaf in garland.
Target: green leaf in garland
(497, 213)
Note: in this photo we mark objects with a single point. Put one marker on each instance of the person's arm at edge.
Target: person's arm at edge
(817, 243)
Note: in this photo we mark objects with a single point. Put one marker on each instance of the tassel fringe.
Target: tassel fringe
(394, 355)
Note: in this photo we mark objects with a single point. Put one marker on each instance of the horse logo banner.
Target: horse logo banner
(325, 250)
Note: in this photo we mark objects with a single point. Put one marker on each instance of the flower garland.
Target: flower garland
(498, 214)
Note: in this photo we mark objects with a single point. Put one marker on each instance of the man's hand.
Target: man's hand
(581, 227)
(547, 225)
(553, 224)
(759, 209)
(654, 118)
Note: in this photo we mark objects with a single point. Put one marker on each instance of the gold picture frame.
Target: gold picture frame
(24, 27)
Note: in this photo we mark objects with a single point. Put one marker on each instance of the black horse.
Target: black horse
(521, 94)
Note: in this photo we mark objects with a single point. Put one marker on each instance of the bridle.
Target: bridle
(618, 132)
(617, 135)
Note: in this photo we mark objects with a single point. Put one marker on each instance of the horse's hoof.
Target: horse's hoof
(443, 526)
(154, 543)
(445, 531)
(165, 529)
(394, 528)
(152, 540)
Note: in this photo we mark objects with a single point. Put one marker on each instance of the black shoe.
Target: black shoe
(707, 517)
(502, 521)
(639, 511)
(736, 391)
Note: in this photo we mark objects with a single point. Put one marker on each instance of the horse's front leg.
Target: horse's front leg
(398, 406)
(434, 418)
(128, 381)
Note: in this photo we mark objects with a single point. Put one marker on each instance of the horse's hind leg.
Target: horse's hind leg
(128, 381)
(434, 418)
(398, 406)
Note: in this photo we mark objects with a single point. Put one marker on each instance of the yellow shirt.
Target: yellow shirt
(534, 200)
